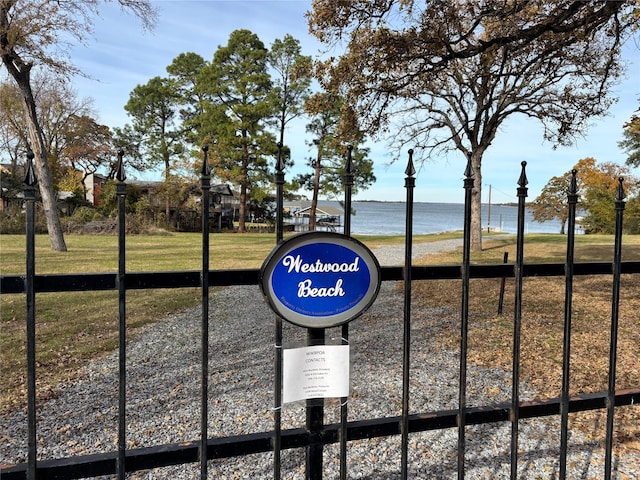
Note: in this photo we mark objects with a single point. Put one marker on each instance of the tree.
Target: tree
(239, 85)
(449, 74)
(632, 215)
(59, 109)
(88, 146)
(184, 71)
(597, 189)
(292, 83)
(600, 183)
(631, 141)
(35, 33)
(154, 108)
(552, 202)
(333, 126)
(12, 136)
(72, 137)
(131, 142)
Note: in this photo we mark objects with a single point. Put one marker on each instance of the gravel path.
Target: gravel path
(394, 254)
(163, 393)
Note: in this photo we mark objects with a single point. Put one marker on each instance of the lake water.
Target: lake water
(388, 218)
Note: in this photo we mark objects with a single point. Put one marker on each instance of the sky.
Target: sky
(121, 55)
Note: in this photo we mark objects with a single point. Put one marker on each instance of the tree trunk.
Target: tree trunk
(314, 198)
(242, 208)
(476, 203)
(49, 200)
(244, 180)
(167, 191)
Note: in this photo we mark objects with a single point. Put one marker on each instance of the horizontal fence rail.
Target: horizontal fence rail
(82, 282)
(234, 446)
(316, 434)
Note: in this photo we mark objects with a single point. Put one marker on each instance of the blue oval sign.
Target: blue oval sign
(320, 279)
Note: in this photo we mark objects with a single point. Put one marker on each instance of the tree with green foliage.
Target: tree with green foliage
(333, 127)
(36, 34)
(632, 215)
(108, 201)
(597, 190)
(239, 85)
(552, 202)
(291, 86)
(183, 72)
(130, 141)
(445, 76)
(600, 183)
(154, 108)
(631, 140)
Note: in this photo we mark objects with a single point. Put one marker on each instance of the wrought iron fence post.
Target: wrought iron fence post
(279, 181)
(30, 198)
(505, 260)
(464, 317)
(277, 390)
(121, 192)
(409, 183)
(514, 414)
(572, 200)
(615, 309)
(315, 419)
(348, 188)
(205, 182)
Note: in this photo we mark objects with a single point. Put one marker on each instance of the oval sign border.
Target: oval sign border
(309, 238)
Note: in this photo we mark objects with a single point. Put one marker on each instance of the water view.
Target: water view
(388, 218)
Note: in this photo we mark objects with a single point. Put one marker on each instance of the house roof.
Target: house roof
(221, 188)
(302, 210)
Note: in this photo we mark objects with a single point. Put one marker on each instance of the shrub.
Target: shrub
(14, 220)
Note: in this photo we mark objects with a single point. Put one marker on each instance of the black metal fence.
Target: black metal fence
(317, 434)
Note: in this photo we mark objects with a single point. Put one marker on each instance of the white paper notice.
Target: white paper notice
(315, 372)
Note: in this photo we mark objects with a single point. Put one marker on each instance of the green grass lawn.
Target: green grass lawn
(74, 327)
(171, 252)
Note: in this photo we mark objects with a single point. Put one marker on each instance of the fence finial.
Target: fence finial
(468, 172)
(120, 176)
(30, 176)
(410, 170)
(349, 165)
(620, 196)
(280, 162)
(522, 181)
(573, 185)
(205, 162)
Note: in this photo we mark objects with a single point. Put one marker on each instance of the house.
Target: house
(328, 217)
(11, 192)
(223, 204)
(93, 185)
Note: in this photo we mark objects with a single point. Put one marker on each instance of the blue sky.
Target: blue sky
(121, 55)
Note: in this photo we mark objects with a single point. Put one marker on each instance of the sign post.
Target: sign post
(318, 280)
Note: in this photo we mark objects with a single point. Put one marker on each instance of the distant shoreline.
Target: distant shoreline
(504, 204)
